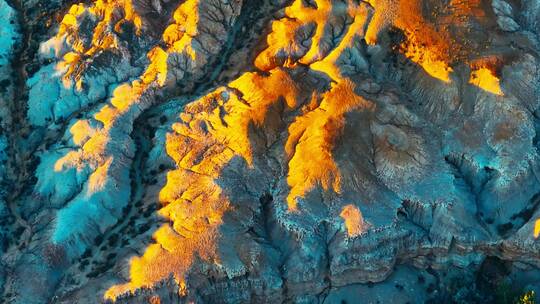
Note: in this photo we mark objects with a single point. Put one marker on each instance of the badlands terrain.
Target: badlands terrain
(269, 151)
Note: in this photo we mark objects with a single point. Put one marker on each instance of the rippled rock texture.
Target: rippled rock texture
(269, 151)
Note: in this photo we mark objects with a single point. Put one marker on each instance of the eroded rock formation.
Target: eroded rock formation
(238, 151)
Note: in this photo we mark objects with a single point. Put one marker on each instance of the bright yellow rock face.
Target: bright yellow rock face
(436, 36)
(354, 221)
(484, 79)
(311, 142)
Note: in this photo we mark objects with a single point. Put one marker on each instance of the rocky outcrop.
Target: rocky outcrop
(223, 151)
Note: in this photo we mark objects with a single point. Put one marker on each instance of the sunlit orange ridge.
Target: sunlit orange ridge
(435, 37)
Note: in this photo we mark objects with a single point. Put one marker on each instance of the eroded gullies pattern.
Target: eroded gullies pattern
(321, 167)
(103, 149)
(87, 175)
(324, 36)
